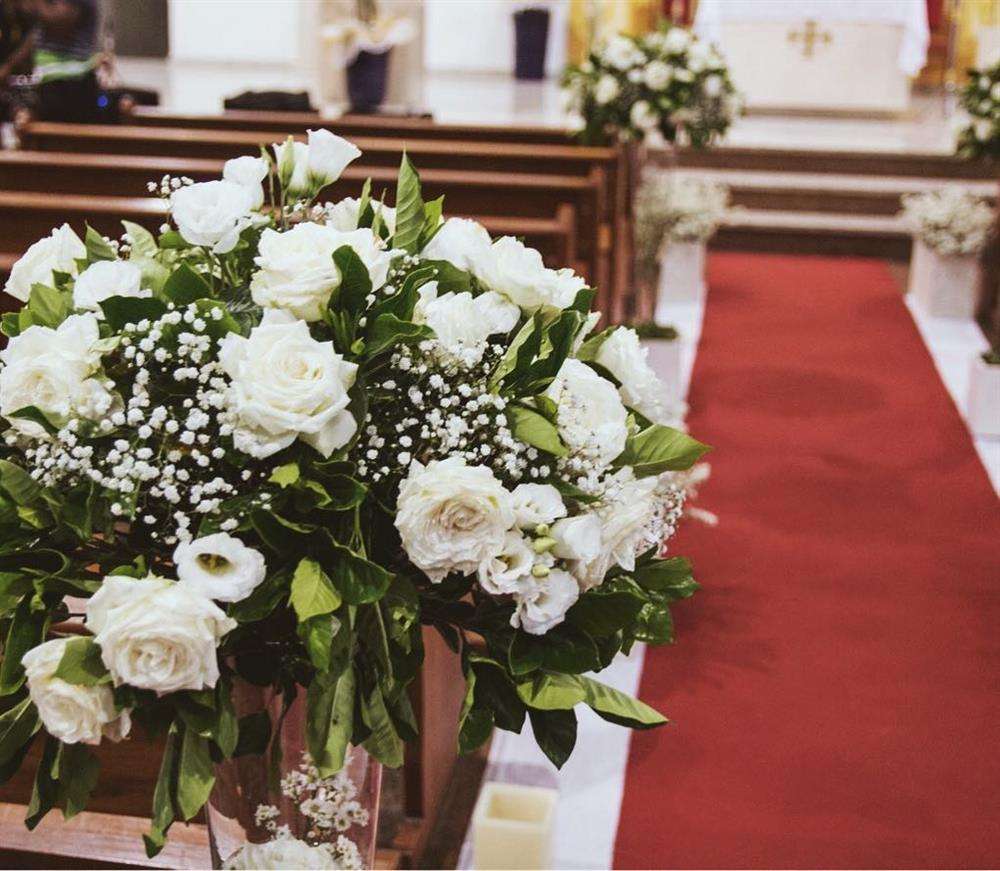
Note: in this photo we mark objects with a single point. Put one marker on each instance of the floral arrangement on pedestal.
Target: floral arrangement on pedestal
(951, 220)
(978, 124)
(246, 459)
(667, 81)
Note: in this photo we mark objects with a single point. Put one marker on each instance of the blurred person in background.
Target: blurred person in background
(17, 45)
(66, 60)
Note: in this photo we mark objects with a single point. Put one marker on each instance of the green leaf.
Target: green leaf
(79, 770)
(387, 331)
(97, 246)
(358, 580)
(121, 310)
(20, 486)
(45, 792)
(618, 707)
(383, 743)
(10, 324)
(409, 208)
(254, 734)
(555, 732)
(342, 492)
(81, 663)
(432, 221)
(27, 630)
(35, 414)
(49, 307)
(552, 692)
(142, 241)
(317, 636)
(330, 719)
(163, 803)
(312, 592)
(659, 449)
(227, 726)
(285, 476)
(475, 722)
(185, 286)
(534, 429)
(606, 609)
(17, 726)
(195, 775)
(654, 625)
(670, 576)
(355, 285)
(565, 649)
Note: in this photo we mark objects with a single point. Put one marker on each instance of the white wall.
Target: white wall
(478, 35)
(268, 31)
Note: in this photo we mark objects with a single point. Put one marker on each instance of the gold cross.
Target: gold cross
(809, 36)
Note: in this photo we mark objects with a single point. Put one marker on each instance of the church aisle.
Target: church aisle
(834, 685)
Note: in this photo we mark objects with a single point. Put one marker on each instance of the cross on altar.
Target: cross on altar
(809, 36)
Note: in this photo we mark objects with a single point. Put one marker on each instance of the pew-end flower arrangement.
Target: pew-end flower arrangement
(265, 447)
(977, 125)
(667, 82)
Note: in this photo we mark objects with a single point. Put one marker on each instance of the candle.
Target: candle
(512, 827)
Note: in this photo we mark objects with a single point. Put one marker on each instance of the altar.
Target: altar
(849, 56)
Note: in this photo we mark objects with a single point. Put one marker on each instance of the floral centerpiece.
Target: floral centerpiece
(667, 81)
(247, 459)
(951, 220)
(978, 124)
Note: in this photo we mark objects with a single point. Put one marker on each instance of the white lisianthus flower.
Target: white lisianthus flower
(658, 75)
(606, 89)
(73, 713)
(592, 420)
(463, 323)
(248, 172)
(157, 634)
(463, 243)
(212, 214)
(220, 567)
(509, 570)
(344, 215)
(452, 517)
(578, 538)
(644, 116)
(517, 272)
(535, 504)
(53, 370)
(57, 252)
(622, 53)
(283, 852)
(286, 386)
(105, 279)
(327, 157)
(292, 159)
(676, 40)
(625, 357)
(546, 605)
(296, 269)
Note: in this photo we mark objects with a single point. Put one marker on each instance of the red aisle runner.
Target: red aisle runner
(836, 684)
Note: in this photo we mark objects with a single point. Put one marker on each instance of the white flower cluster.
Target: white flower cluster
(977, 124)
(328, 803)
(951, 220)
(681, 208)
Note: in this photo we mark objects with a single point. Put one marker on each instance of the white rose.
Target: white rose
(327, 157)
(57, 252)
(344, 215)
(463, 323)
(220, 567)
(517, 271)
(591, 418)
(535, 504)
(463, 243)
(212, 214)
(676, 40)
(658, 75)
(509, 570)
(297, 272)
(983, 129)
(606, 89)
(625, 357)
(53, 370)
(285, 385)
(713, 86)
(578, 538)
(452, 516)
(248, 172)
(73, 713)
(283, 852)
(546, 605)
(622, 53)
(644, 116)
(105, 279)
(157, 634)
(292, 159)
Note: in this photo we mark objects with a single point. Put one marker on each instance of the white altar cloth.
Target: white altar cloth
(910, 15)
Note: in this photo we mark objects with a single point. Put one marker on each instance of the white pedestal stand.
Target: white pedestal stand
(682, 274)
(665, 358)
(944, 286)
(984, 398)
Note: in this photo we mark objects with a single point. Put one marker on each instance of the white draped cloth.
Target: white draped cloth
(910, 15)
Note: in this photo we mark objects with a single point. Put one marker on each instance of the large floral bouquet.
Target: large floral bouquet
(951, 220)
(666, 81)
(978, 124)
(270, 443)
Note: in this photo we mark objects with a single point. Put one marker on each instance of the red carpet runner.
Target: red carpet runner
(836, 684)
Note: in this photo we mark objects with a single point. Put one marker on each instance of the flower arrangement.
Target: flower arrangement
(666, 81)
(270, 443)
(950, 220)
(978, 124)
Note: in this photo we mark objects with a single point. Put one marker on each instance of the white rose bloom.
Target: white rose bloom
(220, 567)
(591, 418)
(283, 852)
(713, 86)
(57, 252)
(52, 370)
(535, 504)
(644, 116)
(157, 634)
(676, 40)
(328, 156)
(105, 279)
(508, 571)
(452, 516)
(297, 272)
(212, 214)
(343, 215)
(248, 172)
(658, 75)
(983, 129)
(995, 93)
(546, 605)
(578, 538)
(517, 271)
(72, 713)
(606, 89)
(286, 385)
(463, 323)
(463, 243)
(292, 159)
(622, 53)
(625, 357)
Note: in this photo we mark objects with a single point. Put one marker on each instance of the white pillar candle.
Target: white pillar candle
(512, 827)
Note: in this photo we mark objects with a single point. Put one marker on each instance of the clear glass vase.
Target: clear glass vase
(293, 818)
